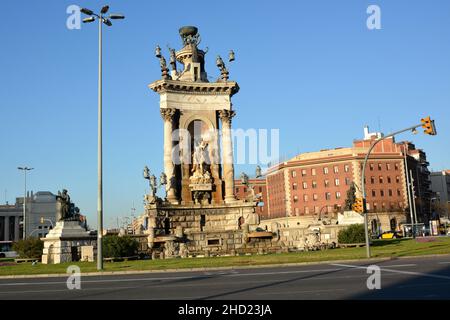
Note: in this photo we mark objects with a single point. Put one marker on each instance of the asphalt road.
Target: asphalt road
(417, 278)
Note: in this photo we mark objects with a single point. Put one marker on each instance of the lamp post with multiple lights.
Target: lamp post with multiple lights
(102, 19)
(24, 228)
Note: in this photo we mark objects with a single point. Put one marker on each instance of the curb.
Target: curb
(294, 264)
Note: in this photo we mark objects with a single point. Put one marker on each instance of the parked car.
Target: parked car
(390, 235)
(6, 250)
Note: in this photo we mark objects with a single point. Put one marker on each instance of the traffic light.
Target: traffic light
(358, 206)
(429, 126)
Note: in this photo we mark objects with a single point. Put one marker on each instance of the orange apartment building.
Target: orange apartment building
(316, 183)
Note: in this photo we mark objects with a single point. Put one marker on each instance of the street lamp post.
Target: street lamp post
(430, 129)
(25, 169)
(101, 20)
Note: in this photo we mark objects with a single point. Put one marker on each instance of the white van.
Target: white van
(6, 250)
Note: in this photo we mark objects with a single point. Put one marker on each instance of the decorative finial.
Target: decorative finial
(223, 70)
(231, 56)
(258, 172)
(158, 52)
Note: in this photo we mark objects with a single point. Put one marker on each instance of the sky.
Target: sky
(311, 69)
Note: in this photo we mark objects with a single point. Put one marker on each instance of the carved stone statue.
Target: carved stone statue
(173, 59)
(66, 210)
(153, 184)
(258, 172)
(199, 158)
(146, 173)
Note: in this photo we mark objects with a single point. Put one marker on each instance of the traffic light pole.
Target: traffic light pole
(363, 182)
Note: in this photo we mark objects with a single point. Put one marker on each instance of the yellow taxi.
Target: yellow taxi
(390, 235)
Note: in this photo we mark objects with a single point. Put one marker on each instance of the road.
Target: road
(412, 278)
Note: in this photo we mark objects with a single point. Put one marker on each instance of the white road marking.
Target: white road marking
(168, 278)
(396, 271)
(400, 265)
(299, 292)
(444, 262)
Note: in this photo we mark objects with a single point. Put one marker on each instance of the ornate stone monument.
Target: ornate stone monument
(68, 241)
(200, 214)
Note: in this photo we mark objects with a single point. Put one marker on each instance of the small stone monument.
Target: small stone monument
(68, 241)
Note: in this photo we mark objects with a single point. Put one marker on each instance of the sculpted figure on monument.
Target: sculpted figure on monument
(199, 158)
(64, 211)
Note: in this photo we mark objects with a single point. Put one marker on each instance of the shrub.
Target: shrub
(29, 248)
(115, 246)
(353, 234)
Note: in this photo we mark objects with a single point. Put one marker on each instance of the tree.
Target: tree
(351, 197)
(352, 234)
(29, 248)
(116, 247)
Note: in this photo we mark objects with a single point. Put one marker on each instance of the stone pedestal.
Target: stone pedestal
(68, 242)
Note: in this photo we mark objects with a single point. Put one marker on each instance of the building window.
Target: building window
(306, 210)
(397, 179)
(237, 190)
(346, 168)
(390, 193)
(389, 179)
(371, 167)
(303, 172)
(294, 173)
(336, 182)
(305, 185)
(380, 179)
(347, 181)
(260, 189)
(325, 170)
(297, 211)
(338, 195)
(336, 169)
(294, 186)
(374, 193)
(295, 199)
(315, 197)
(327, 196)
(382, 193)
(372, 180)
(305, 197)
(399, 193)
(396, 166)
(327, 183)
(316, 209)
(313, 172)
(388, 166)
(379, 167)
(314, 184)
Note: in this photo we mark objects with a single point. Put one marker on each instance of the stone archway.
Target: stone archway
(374, 226)
(51, 254)
(393, 224)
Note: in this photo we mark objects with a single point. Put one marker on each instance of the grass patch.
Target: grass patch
(380, 249)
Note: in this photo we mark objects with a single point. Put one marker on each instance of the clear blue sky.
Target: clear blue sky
(310, 68)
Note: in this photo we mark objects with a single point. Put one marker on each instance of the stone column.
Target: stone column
(16, 229)
(227, 158)
(6, 227)
(169, 166)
